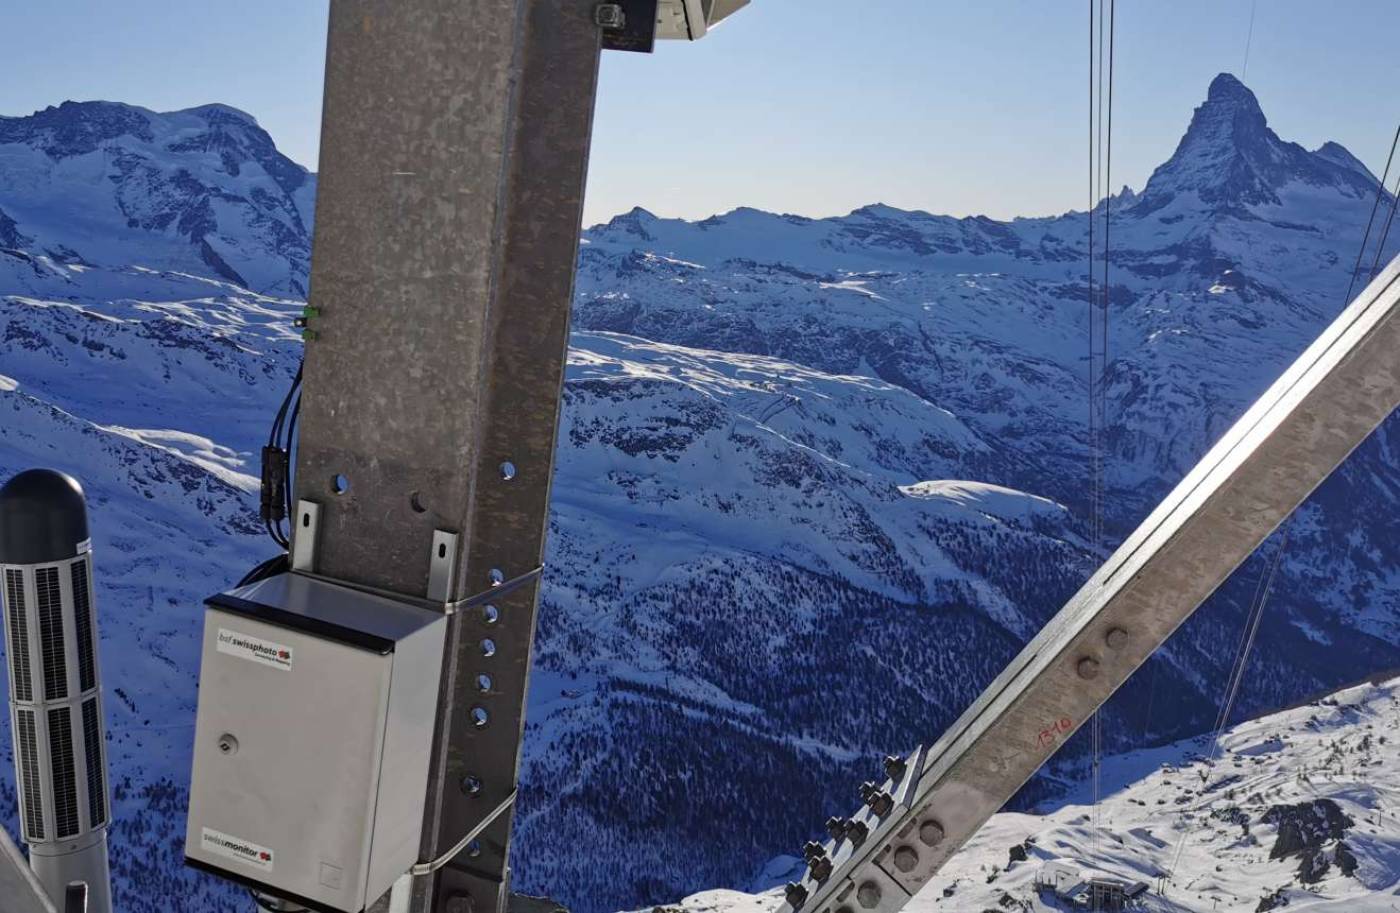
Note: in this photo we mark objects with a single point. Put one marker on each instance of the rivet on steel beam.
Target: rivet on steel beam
(507, 470)
(931, 833)
(1116, 638)
(795, 894)
(894, 767)
(868, 894)
(906, 858)
(1088, 668)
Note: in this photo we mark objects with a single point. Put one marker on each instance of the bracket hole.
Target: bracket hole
(471, 785)
(507, 470)
(442, 549)
(415, 501)
(305, 521)
(483, 683)
(340, 484)
(490, 614)
(488, 647)
(480, 717)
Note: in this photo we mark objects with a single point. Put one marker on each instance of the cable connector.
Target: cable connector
(272, 507)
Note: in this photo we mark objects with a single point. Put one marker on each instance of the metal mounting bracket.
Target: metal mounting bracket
(442, 566)
(306, 523)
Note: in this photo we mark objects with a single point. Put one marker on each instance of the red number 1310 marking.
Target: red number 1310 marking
(1052, 733)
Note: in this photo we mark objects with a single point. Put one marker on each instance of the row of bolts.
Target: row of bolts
(819, 864)
(880, 802)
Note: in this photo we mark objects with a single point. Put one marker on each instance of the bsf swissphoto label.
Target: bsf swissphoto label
(220, 844)
(245, 646)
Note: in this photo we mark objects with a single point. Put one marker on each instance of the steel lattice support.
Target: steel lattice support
(454, 150)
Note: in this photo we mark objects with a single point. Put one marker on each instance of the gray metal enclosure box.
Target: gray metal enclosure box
(313, 737)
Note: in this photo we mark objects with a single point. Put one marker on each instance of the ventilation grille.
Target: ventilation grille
(65, 781)
(19, 636)
(30, 792)
(92, 746)
(51, 633)
(82, 619)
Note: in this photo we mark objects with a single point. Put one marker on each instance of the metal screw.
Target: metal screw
(1088, 668)
(894, 767)
(868, 894)
(905, 858)
(228, 744)
(609, 16)
(471, 785)
(1116, 638)
(795, 894)
(931, 833)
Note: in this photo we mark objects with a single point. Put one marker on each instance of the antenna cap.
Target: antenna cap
(43, 517)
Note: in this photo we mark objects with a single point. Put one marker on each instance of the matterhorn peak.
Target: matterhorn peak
(1229, 157)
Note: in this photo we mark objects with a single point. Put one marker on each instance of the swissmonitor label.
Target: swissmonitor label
(230, 847)
(254, 649)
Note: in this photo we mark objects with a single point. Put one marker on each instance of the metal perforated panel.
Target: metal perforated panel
(31, 794)
(23, 683)
(51, 633)
(65, 778)
(82, 621)
(92, 747)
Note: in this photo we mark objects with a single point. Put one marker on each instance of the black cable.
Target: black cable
(273, 566)
(275, 491)
(287, 447)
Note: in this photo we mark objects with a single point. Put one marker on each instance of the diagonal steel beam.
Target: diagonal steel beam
(1290, 440)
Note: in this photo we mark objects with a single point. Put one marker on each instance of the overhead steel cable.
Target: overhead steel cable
(1385, 235)
(1101, 117)
(1380, 192)
(1249, 39)
(1262, 591)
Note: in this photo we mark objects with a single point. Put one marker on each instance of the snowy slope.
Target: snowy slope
(817, 479)
(1295, 809)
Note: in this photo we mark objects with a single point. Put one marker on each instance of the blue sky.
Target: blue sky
(808, 106)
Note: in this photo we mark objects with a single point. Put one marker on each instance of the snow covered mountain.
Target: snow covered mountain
(203, 191)
(818, 479)
(1294, 811)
